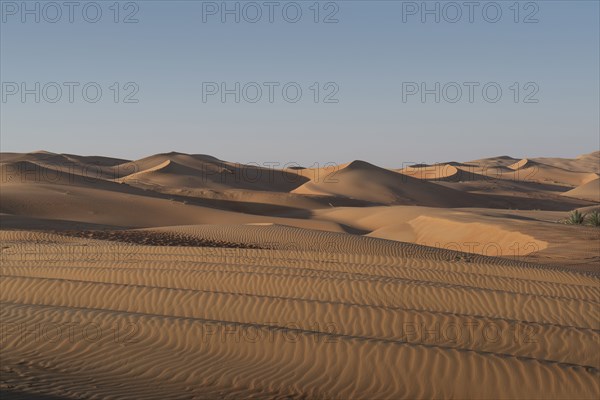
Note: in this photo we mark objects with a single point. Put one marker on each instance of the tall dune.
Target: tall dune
(364, 181)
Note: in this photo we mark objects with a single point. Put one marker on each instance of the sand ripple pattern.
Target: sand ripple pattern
(300, 314)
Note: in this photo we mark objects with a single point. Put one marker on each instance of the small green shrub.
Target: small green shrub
(594, 218)
(576, 218)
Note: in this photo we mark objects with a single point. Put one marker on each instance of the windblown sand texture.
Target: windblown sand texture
(184, 276)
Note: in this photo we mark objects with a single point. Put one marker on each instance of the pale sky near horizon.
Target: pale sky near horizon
(361, 67)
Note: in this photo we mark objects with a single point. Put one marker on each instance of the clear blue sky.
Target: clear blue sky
(373, 48)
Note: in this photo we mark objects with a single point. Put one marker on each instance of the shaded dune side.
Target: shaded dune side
(130, 207)
(29, 172)
(21, 177)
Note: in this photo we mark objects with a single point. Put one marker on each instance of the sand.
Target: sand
(179, 276)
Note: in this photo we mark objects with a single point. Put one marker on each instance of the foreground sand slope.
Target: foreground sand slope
(301, 314)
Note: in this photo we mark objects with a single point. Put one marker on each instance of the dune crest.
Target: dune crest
(523, 163)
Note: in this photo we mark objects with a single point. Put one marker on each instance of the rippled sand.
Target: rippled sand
(300, 314)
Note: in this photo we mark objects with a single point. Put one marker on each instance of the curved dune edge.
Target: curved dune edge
(587, 191)
(484, 239)
(333, 316)
(523, 163)
(165, 166)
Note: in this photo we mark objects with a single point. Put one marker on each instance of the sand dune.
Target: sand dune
(504, 180)
(364, 181)
(186, 276)
(90, 167)
(538, 172)
(177, 170)
(170, 173)
(557, 171)
(583, 163)
(588, 191)
(54, 174)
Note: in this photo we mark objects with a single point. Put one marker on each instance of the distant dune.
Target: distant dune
(364, 181)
